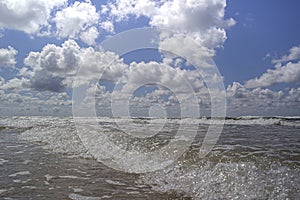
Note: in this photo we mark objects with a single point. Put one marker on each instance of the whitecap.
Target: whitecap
(22, 173)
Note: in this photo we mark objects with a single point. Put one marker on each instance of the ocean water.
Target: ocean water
(254, 158)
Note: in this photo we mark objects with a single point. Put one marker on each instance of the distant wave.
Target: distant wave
(248, 120)
(31, 121)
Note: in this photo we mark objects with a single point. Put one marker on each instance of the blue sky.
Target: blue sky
(263, 27)
(255, 45)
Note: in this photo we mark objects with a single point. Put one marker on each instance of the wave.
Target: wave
(243, 120)
(251, 120)
(59, 134)
(213, 177)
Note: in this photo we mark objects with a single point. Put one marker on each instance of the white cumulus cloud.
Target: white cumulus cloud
(289, 73)
(76, 20)
(30, 16)
(52, 65)
(89, 36)
(294, 54)
(107, 26)
(287, 70)
(7, 57)
(202, 20)
(55, 67)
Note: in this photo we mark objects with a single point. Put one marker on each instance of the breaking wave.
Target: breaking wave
(230, 171)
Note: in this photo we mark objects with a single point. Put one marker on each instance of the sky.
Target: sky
(51, 50)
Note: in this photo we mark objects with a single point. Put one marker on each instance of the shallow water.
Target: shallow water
(27, 171)
(43, 158)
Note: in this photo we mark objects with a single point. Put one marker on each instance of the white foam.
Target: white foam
(243, 180)
(80, 197)
(106, 197)
(2, 161)
(59, 136)
(29, 187)
(14, 146)
(3, 190)
(73, 177)
(21, 181)
(133, 192)
(22, 173)
(77, 190)
(48, 177)
(26, 162)
(114, 182)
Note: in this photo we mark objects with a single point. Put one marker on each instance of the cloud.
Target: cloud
(294, 96)
(30, 16)
(7, 57)
(198, 27)
(108, 26)
(258, 101)
(55, 58)
(163, 84)
(250, 98)
(145, 84)
(33, 103)
(122, 9)
(177, 79)
(289, 73)
(189, 49)
(294, 54)
(99, 65)
(51, 66)
(287, 70)
(78, 20)
(14, 84)
(2, 81)
(203, 21)
(89, 36)
(51, 18)
(55, 67)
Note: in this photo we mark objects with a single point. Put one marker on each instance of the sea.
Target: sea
(252, 158)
